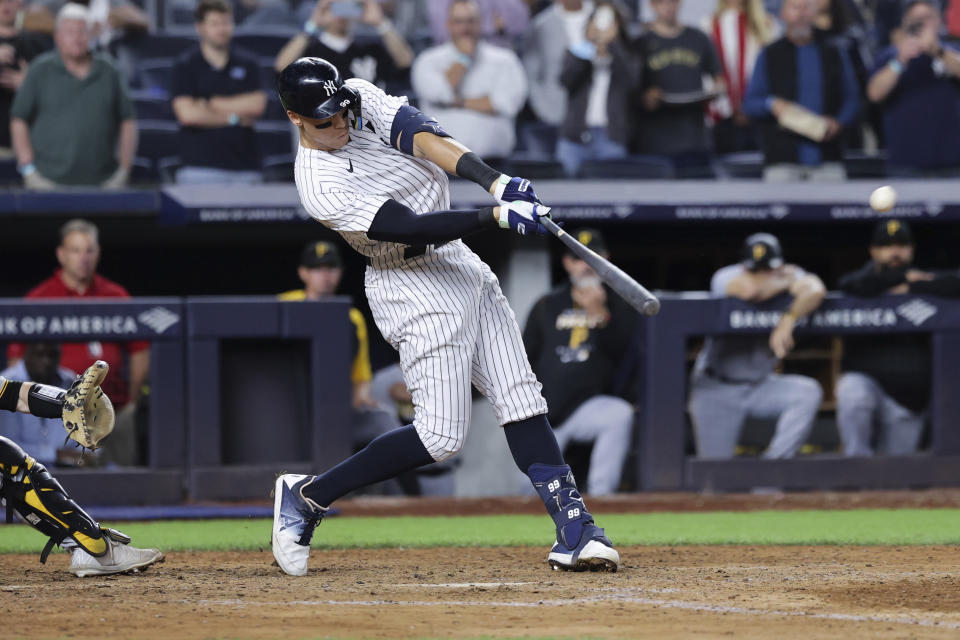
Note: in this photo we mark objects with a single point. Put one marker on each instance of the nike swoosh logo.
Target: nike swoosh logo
(351, 165)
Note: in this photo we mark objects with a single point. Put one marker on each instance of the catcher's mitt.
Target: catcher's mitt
(87, 411)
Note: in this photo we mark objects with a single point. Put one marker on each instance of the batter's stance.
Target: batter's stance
(372, 168)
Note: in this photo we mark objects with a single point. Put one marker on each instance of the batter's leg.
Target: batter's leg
(857, 403)
(794, 401)
(717, 411)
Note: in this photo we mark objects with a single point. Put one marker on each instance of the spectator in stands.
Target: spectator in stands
(804, 93)
(552, 32)
(676, 60)
(738, 29)
(72, 121)
(43, 437)
(917, 81)
(886, 381)
(109, 19)
(734, 378)
(328, 34)
(599, 73)
(77, 278)
(217, 99)
(578, 338)
(17, 49)
(474, 88)
(501, 21)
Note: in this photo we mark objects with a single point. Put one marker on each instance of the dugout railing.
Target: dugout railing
(662, 460)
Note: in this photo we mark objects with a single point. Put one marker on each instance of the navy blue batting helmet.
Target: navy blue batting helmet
(312, 87)
(761, 251)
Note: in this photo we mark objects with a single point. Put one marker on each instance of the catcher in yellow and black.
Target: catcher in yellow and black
(30, 490)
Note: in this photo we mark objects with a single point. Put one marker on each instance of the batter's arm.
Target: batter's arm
(446, 154)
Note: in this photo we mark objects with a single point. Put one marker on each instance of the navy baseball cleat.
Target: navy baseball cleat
(294, 519)
(594, 552)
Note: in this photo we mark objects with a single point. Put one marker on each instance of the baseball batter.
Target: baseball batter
(373, 169)
(30, 490)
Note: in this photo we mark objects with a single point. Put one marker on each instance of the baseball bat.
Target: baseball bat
(626, 287)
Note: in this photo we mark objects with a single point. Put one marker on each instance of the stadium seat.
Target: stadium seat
(748, 164)
(149, 106)
(274, 138)
(861, 165)
(537, 137)
(163, 45)
(278, 168)
(629, 168)
(159, 142)
(534, 166)
(265, 44)
(154, 76)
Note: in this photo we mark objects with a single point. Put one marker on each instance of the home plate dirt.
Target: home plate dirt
(677, 592)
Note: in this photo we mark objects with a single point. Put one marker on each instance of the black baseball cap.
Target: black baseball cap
(891, 231)
(320, 254)
(592, 239)
(761, 251)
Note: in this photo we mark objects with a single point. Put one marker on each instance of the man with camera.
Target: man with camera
(917, 80)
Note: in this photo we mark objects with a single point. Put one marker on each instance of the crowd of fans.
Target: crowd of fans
(568, 86)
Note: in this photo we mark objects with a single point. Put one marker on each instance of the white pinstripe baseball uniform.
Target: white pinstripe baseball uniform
(442, 310)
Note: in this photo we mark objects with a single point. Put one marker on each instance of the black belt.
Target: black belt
(413, 251)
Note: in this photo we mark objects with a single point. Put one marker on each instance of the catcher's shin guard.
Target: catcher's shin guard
(36, 495)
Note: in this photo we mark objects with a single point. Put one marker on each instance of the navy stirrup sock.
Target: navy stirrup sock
(390, 454)
(535, 450)
(532, 441)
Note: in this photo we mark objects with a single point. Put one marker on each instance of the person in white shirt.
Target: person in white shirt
(552, 33)
(476, 89)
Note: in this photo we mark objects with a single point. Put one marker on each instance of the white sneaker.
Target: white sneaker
(120, 558)
(594, 552)
(294, 519)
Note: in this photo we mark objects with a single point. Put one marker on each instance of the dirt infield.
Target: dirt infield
(681, 592)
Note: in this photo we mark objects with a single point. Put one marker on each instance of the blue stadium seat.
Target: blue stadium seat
(159, 142)
(861, 165)
(533, 166)
(163, 45)
(150, 106)
(154, 76)
(746, 164)
(278, 168)
(265, 44)
(537, 137)
(274, 138)
(629, 168)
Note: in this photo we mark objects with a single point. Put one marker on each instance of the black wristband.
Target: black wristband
(471, 167)
(10, 394)
(45, 401)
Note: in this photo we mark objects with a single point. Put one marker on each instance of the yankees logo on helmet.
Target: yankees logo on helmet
(330, 87)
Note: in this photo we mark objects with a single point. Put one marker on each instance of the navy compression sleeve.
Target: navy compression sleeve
(395, 222)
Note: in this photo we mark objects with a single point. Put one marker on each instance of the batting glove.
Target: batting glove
(515, 190)
(524, 217)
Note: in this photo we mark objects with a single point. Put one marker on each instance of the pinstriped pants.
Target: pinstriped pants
(446, 315)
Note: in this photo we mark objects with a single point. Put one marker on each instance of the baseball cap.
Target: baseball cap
(761, 251)
(320, 254)
(891, 231)
(592, 239)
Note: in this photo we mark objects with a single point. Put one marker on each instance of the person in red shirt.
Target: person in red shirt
(77, 277)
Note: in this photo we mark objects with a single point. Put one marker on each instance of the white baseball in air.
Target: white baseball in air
(883, 199)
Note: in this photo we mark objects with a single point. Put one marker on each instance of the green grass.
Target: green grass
(854, 527)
